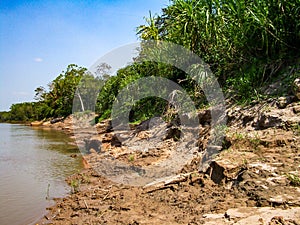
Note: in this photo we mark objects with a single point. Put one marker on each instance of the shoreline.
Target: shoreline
(63, 126)
(34, 158)
(258, 138)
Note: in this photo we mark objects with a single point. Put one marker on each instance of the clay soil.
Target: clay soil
(255, 173)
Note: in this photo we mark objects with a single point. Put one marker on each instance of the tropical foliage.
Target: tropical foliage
(54, 102)
(57, 102)
(20, 112)
(245, 43)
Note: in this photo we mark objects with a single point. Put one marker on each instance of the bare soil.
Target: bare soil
(255, 179)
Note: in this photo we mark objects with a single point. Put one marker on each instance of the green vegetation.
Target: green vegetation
(131, 158)
(57, 102)
(296, 128)
(77, 181)
(239, 136)
(255, 142)
(247, 44)
(20, 112)
(294, 179)
(75, 185)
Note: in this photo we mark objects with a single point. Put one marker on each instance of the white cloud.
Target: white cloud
(38, 59)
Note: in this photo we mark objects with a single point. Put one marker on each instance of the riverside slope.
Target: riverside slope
(254, 180)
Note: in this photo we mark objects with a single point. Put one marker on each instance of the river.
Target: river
(34, 163)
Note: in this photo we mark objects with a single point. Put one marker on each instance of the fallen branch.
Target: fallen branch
(166, 182)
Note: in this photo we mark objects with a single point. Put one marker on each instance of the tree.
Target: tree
(58, 100)
(245, 43)
(5, 116)
(25, 111)
(87, 92)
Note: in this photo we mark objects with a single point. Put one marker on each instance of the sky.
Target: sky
(39, 39)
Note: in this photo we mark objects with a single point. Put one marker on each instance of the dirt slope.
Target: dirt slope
(255, 179)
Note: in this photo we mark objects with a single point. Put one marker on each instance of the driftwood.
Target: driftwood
(166, 182)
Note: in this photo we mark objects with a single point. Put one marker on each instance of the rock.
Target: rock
(277, 118)
(238, 213)
(106, 137)
(284, 101)
(266, 214)
(296, 109)
(115, 141)
(280, 220)
(204, 117)
(255, 215)
(93, 151)
(85, 163)
(266, 120)
(104, 126)
(46, 124)
(238, 117)
(227, 168)
(93, 143)
(36, 123)
(173, 132)
(262, 166)
(55, 120)
(144, 125)
(213, 216)
(296, 88)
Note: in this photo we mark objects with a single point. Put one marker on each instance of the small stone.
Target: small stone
(296, 88)
(238, 213)
(296, 109)
(282, 102)
(93, 151)
(93, 143)
(213, 216)
(277, 199)
(268, 120)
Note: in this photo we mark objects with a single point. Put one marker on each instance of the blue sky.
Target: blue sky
(38, 39)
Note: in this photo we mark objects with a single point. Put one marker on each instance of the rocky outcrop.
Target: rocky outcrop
(283, 118)
(265, 115)
(252, 180)
(255, 215)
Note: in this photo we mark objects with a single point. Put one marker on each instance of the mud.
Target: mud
(255, 178)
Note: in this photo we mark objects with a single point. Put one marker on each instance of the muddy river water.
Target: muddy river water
(34, 163)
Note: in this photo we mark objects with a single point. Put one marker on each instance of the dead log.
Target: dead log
(166, 182)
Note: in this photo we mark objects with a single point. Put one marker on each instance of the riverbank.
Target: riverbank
(254, 180)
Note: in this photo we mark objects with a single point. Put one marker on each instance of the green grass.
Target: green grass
(294, 179)
(75, 185)
(239, 136)
(255, 142)
(296, 128)
(131, 158)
